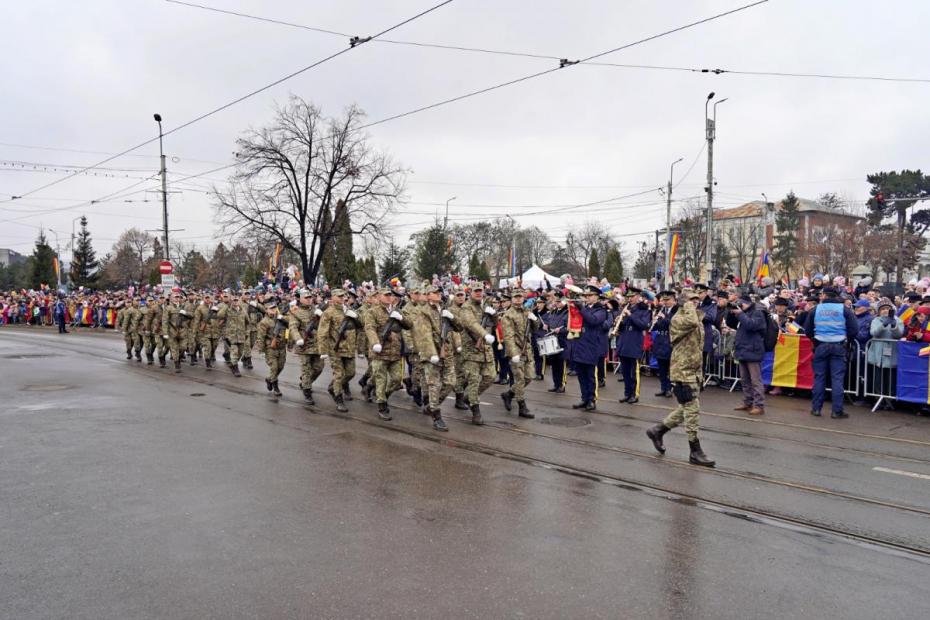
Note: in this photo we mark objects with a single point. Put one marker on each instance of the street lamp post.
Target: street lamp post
(164, 184)
(668, 226)
(710, 126)
(513, 248)
(445, 221)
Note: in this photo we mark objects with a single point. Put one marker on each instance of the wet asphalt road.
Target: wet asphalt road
(131, 492)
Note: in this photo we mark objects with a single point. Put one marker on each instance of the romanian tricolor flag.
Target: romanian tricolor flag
(672, 251)
(512, 261)
(913, 377)
(278, 248)
(57, 268)
(789, 365)
(793, 328)
(763, 271)
(905, 314)
(84, 316)
(111, 318)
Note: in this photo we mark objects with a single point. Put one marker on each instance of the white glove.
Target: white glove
(351, 314)
(515, 359)
(458, 349)
(300, 342)
(376, 347)
(182, 311)
(397, 316)
(253, 303)
(165, 336)
(434, 359)
(489, 310)
(214, 308)
(447, 315)
(489, 338)
(324, 357)
(532, 317)
(318, 312)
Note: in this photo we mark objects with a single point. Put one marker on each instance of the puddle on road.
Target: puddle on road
(567, 422)
(46, 387)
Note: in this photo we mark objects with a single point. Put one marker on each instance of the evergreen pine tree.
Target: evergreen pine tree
(478, 269)
(594, 264)
(43, 268)
(394, 263)
(344, 257)
(613, 266)
(84, 264)
(787, 222)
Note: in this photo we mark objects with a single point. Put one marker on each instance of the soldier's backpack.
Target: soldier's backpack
(770, 338)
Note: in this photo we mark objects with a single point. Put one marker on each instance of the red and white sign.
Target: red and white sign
(165, 267)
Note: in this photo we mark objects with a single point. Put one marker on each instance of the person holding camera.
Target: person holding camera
(687, 337)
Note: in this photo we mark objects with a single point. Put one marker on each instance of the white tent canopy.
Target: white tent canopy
(532, 278)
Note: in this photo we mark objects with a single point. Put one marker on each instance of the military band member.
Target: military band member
(517, 325)
(585, 340)
(383, 325)
(271, 338)
(635, 320)
(303, 323)
(687, 337)
(337, 341)
(662, 344)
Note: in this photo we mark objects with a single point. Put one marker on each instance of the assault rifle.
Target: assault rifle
(313, 324)
(351, 321)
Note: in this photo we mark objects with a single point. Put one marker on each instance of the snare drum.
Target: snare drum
(549, 345)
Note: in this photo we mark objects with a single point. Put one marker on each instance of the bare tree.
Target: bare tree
(744, 240)
(294, 171)
(691, 246)
(129, 257)
(580, 241)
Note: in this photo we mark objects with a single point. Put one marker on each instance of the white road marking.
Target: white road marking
(899, 472)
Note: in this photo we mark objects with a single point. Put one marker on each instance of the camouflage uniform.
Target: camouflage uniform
(190, 336)
(148, 312)
(206, 327)
(236, 333)
(436, 356)
(341, 356)
(477, 354)
(253, 318)
(387, 366)
(123, 317)
(155, 339)
(272, 342)
(516, 326)
(686, 332)
(174, 331)
(300, 320)
(410, 311)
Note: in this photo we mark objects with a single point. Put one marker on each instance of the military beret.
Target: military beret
(912, 296)
(723, 294)
(666, 294)
(699, 287)
(781, 301)
(517, 292)
(592, 289)
(688, 293)
(337, 292)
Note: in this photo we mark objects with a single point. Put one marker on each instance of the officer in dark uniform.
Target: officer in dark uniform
(556, 320)
(662, 343)
(708, 309)
(634, 321)
(831, 325)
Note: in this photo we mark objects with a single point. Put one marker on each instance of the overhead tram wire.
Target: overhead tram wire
(356, 42)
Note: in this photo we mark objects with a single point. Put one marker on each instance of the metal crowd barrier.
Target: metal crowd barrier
(880, 381)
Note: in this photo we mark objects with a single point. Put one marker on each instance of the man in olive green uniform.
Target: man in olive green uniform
(458, 300)
(686, 332)
(134, 328)
(383, 325)
(432, 329)
(122, 324)
(222, 307)
(236, 332)
(415, 378)
(155, 340)
(478, 356)
(254, 315)
(149, 310)
(206, 328)
(372, 299)
(516, 326)
(189, 303)
(173, 329)
(273, 344)
(337, 341)
(303, 323)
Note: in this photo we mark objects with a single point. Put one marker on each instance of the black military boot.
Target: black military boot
(524, 412)
(193, 360)
(460, 401)
(655, 434)
(139, 355)
(177, 365)
(340, 404)
(507, 397)
(367, 389)
(580, 405)
(208, 362)
(383, 412)
(149, 359)
(438, 423)
(697, 455)
(308, 396)
(476, 415)
(129, 354)
(417, 397)
(408, 385)
(226, 356)
(363, 381)
(347, 393)
(247, 363)
(235, 370)
(161, 362)
(276, 389)
(268, 384)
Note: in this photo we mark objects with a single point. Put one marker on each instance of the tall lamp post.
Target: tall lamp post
(445, 220)
(164, 185)
(710, 126)
(668, 226)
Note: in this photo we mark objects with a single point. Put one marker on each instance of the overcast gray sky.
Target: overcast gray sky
(87, 76)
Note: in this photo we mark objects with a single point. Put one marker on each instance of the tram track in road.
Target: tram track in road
(737, 509)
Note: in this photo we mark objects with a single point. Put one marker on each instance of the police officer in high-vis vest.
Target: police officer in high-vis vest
(831, 325)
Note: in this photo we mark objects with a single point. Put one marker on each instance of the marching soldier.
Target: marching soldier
(134, 330)
(155, 339)
(687, 337)
(253, 317)
(303, 322)
(364, 343)
(337, 341)
(206, 327)
(222, 307)
(383, 325)
(272, 342)
(432, 329)
(477, 354)
(122, 324)
(517, 326)
(458, 300)
(190, 335)
(149, 310)
(172, 330)
(236, 332)
(414, 369)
